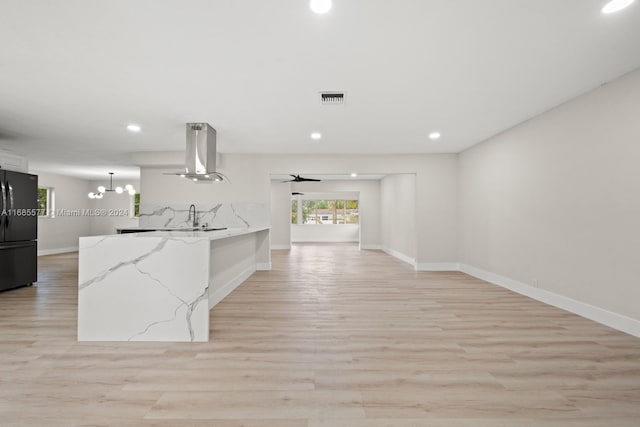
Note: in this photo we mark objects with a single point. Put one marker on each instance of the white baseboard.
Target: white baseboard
(228, 287)
(419, 266)
(400, 256)
(600, 315)
(438, 266)
(280, 247)
(42, 252)
(263, 266)
(370, 247)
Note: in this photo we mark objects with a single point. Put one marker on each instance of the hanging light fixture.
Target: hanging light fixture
(119, 190)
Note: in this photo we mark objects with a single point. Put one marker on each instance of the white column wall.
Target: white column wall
(280, 215)
(398, 216)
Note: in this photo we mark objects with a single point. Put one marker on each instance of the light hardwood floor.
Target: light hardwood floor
(331, 337)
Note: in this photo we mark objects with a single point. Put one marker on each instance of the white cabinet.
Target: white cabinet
(13, 163)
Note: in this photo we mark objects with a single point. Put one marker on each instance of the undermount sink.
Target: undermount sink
(179, 229)
(145, 230)
(191, 229)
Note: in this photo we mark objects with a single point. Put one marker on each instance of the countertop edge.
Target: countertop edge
(210, 235)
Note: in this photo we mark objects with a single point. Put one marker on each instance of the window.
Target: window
(45, 202)
(135, 206)
(325, 212)
(294, 211)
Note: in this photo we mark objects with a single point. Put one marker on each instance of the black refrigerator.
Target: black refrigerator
(18, 229)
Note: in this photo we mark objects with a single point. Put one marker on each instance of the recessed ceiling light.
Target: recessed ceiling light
(616, 5)
(353, 174)
(320, 6)
(434, 135)
(316, 136)
(133, 128)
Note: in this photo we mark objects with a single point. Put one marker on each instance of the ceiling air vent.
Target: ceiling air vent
(331, 98)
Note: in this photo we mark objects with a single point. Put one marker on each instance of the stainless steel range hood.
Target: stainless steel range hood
(200, 155)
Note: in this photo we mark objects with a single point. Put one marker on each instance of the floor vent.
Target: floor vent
(332, 98)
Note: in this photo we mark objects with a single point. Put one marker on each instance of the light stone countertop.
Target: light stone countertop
(211, 235)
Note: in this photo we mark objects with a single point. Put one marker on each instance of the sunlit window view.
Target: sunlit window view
(136, 205)
(325, 212)
(44, 201)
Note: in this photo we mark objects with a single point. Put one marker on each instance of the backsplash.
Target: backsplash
(230, 215)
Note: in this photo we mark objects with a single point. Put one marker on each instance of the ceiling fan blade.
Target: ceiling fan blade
(298, 178)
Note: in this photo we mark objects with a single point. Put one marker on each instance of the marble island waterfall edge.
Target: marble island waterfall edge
(160, 286)
(133, 289)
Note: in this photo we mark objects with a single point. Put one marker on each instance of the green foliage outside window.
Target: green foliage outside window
(136, 205)
(294, 212)
(326, 212)
(43, 201)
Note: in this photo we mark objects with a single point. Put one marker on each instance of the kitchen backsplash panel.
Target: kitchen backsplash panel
(230, 215)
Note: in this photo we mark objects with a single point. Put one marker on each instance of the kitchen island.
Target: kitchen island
(160, 285)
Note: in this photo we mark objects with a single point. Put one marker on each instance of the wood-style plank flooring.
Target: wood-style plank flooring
(331, 337)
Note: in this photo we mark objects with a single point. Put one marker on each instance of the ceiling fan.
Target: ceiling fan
(295, 193)
(298, 178)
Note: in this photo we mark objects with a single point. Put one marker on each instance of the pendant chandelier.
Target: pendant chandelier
(118, 190)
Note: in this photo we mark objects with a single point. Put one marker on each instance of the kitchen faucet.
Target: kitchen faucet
(195, 215)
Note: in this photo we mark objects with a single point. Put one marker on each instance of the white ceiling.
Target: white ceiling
(73, 74)
(329, 177)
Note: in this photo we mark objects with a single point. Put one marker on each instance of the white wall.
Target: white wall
(398, 216)
(280, 215)
(325, 233)
(61, 233)
(436, 213)
(555, 202)
(436, 184)
(248, 182)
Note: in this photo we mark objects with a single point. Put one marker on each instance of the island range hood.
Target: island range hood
(200, 155)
